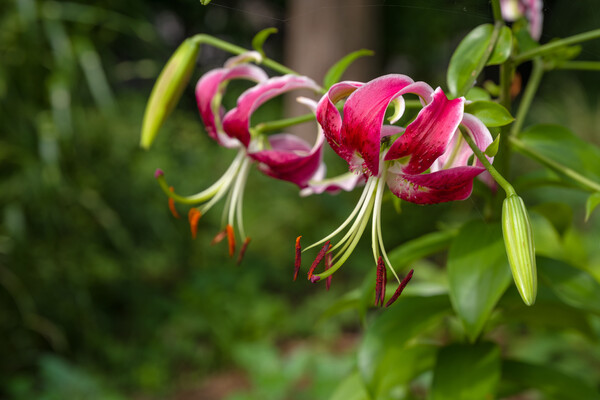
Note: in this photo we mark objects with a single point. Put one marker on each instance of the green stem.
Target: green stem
(559, 168)
(496, 11)
(231, 48)
(483, 61)
(580, 65)
(504, 184)
(550, 47)
(528, 95)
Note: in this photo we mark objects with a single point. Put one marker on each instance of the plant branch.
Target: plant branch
(580, 65)
(528, 95)
(550, 47)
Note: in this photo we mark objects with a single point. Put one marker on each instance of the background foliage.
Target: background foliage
(104, 295)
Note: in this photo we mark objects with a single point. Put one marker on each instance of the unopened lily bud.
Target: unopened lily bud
(520, 248)
(168, 89)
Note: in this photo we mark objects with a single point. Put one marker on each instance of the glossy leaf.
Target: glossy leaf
(563, 152)
(335, 73)
(259, 39)
(384, 341)
(466, 58)
(592, 202)
(492, 149)
(351, 388)
(466, 372)
(490, 113)
(575, 287)
(477, 93)
(478, 274)
(421, 247)
(560, 215)
(503, 47)
(554, 384)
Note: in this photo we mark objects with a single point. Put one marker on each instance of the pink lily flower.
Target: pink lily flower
(282, 156)
(532, 10)
(425, 163)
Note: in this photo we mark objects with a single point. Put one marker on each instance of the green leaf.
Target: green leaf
(492, 149)
(466, 58)
(592, 202)
(335, 73)
(490, 113)
(575, 287)
(503, 47)
(566, 154)
(420, 247)
(259, 39)
(205, 2)
(351, 388)
(384, 345)
(523, 38)
(555, 384)
(477, 93)
(349, 301)
(560, 215)
(466, 372)
(478, 274)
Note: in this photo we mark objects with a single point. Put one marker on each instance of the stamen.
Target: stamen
(380, 282)
(243, 250)
(318, 259)
(328, 262)
(230, 239)
(401, 287)
(194, 216)
(219, 237)
(172, 204)
(298, 260)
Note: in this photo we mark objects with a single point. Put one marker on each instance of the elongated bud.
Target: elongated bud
(520, 248)
(168, 89)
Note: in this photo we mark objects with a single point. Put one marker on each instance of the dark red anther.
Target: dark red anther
(194, 216)
(298, 260)
(172, 205)
(318, 259)
(243, 250)
(380, 282)
(328, 262)
(401, 287)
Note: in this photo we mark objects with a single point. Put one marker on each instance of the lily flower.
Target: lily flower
(282, 156)
(532, 10)
(425, 163)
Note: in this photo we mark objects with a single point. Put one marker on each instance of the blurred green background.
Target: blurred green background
(103, 294)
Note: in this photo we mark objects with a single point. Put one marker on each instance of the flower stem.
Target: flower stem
(504, 184)
(223, 45)
(580, 65)
(528, 95)
(550, 47)
(496, 10)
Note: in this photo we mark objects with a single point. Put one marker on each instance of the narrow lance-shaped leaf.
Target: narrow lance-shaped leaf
(168, 89)
(490, 113)
(592, 202)
(503, 47)
(259, 39)
(337, 70)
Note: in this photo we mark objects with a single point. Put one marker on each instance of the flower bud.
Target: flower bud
(168, 89)
(520, 248)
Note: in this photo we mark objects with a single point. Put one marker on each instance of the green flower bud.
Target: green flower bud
(520, 248)
(168, 89)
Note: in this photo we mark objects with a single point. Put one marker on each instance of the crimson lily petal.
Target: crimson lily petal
(428, 136)
(319, 184)
(236, 122)
(212, 85)
(436, 187)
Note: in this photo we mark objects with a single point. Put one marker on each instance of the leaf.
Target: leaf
(205, 2)
(259, 39)
(349, 301)
(575, 287)
(351, 388)
(466, 372)
(478, 274)
(492, 149)
(466, 58)
(592, 202)
(477, 93)
(547, 239)
(503, 47)
(421, 247)
(553, 383)
(383, 346)
(560, 215)
(490, 113)
(337, 70)
(566, 154)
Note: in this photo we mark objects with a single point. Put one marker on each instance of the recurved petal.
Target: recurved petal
(428, 136)
(210, 89)
(436, 187)
(236, 122)
(346, 182)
